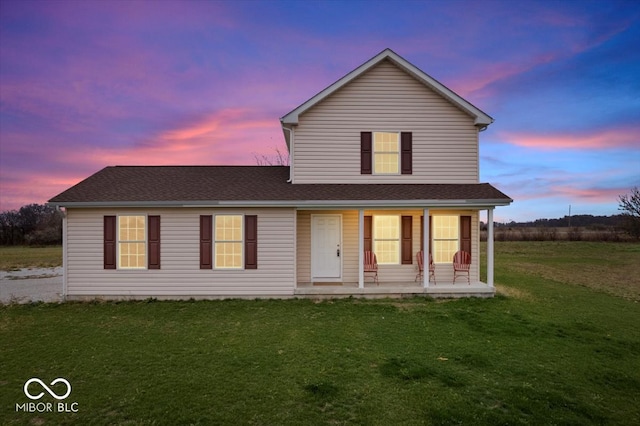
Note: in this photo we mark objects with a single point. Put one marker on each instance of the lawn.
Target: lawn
(548, 349)
(17, 257)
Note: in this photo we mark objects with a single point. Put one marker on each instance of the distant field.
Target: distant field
(17, 257)
(537, 233)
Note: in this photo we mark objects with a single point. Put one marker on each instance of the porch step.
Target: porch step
(435, 291)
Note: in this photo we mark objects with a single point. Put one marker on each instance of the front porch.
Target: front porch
(394, 290)
(331, 243)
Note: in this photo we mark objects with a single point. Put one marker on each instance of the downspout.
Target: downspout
(290, 152)
(64, 252)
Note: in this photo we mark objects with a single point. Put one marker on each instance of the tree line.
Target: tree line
(628, 221)
(33, 224)
(583, 220)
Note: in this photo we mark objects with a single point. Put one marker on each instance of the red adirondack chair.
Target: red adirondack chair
(371, 265)
(461, 265)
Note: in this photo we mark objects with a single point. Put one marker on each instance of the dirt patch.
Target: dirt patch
(513, 292)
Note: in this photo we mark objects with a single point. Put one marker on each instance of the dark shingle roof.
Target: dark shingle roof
(204, 184)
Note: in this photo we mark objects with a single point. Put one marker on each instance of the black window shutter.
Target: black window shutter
(366, 153)
(368, 231)
(206, 243)
(465, 233)
(109, 242)
(251, 242)
(406, 156)
(153, 236)
(406, 240)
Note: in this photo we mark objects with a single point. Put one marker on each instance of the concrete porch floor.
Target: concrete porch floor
(404, 289)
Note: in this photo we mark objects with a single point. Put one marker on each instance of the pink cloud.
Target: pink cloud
(30, 187)
(477, 83)
(231, 136)
(553, 187)
(625, 137)
(589, 195)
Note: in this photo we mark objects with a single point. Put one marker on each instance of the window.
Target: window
(386, 239)
(446, 232)
(132, 244)
(381, 153)
(386, 153)
(228, 242)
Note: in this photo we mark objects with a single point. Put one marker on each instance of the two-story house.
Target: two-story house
(383, 161)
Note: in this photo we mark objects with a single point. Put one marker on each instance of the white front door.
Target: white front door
(326, 250)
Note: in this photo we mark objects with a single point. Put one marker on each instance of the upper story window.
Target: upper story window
(386, 153)
(132, 243)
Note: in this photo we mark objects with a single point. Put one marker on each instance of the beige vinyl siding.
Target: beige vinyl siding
(180, 274)
(387, 273)
(327, 138)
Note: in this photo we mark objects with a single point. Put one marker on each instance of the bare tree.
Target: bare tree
(278, 159)
(630, 206)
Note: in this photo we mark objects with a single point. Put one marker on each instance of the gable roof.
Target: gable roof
(255, 186)
(481, 118)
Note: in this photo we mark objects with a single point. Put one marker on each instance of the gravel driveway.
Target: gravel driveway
(31, 285)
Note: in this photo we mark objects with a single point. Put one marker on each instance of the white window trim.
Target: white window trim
(146, 243)
(373, 153)
(215, 241)
(399, 239)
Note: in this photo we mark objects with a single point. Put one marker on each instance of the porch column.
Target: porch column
(426, 236)
(490, 247)
(360, 248)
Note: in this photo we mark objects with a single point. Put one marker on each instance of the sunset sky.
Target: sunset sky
(87, 84)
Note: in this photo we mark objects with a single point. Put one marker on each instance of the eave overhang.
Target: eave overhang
(299, 204)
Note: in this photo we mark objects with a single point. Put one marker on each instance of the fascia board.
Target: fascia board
(120, 204)
(292, 203)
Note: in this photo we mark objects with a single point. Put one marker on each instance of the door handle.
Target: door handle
(338, 252)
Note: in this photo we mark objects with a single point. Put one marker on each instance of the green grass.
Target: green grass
(543, 351)
(17, 257)
(613, 268)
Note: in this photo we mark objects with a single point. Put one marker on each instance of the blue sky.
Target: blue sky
(87, 84)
